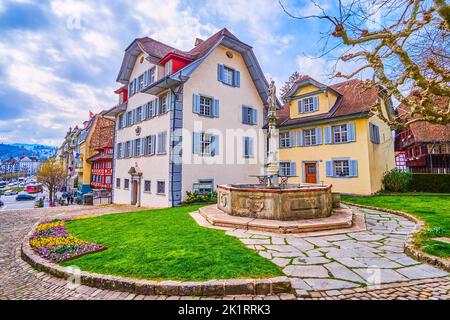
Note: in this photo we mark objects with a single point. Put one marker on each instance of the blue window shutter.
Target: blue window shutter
(300, 138)
(220, 72)
(196, 143)
(316, 103)
(329, 168)
(250, 147)
(254, 116)
(318, 135)
(237, 78)
(122, 151)
(116, 151)
(291, 138)
(353, 168)
(153, 138)
(351, 131)
(293, 168)
(196, 103)
(244, 114)
(328, 139)
(377, 130)
(124, 120)
(244, 146)
(215, 108)
(142, 146)
(300, 106)
(145, 78)
(215, 145)
(156, 106)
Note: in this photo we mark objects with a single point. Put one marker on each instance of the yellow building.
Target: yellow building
(329, 135)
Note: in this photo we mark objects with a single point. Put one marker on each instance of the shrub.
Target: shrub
(195, 197)
(430, 182)
(396, 180)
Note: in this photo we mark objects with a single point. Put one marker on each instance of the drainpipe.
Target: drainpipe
(172, 145)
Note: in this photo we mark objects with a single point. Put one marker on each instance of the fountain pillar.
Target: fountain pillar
(272, 167)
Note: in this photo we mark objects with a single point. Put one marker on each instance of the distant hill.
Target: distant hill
(22, 149)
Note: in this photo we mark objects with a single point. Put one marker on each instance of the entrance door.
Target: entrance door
(310, 173)
(135, 192)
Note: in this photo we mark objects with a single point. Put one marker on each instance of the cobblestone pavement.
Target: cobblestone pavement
(334, 263)
(328, 267)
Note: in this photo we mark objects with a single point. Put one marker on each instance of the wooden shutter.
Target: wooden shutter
(215, 145)
(237, 78)
(254, 116)
(196, 103)
(244, 114)
(353, 168)
(216, 108)
(220, 69)
(300, 106)
(316, 103)
(196, 143)
(291, 138)
(351, 136)
(318, 135)
(329, 168)
(300, 138)
(328, 138)
(293, 169)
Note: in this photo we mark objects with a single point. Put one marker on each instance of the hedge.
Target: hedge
(430, 182)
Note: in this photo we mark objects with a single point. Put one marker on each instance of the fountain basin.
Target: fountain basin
(291, 202)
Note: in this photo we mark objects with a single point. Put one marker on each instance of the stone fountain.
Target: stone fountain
(273, 204)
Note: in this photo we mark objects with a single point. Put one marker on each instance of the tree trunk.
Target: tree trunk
(50, 195)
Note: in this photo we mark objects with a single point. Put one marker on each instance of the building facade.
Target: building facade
(327, 134)
(29, 165)
(426, 146)
(190, 120)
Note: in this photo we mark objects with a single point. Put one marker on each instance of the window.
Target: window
(126, 184)
(141, 82)
(206, 106)
(340, 133)
(139, 114)
(308, 105)
(309, 136)
(228, 75)
(204, 187)
(161, 187)
(341, 168)
(249, 115)
(285, 168)
(128, 149)
(205, 144)
(285, 139)
(108, 180)
(163, 104)
(374, 133)
(137, 147)
(147, 186)
(162, 137)
(150, 145)
(248, 147)
(120, 120)
(168, 67)
(151, 75)
(108, 165)
(118, 183)
(129, 118)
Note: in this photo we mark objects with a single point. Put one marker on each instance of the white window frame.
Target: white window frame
(308, 104)
(137, 147)
(285, 139)
(228, 75)
(339, 133)
(285, 171)
(206, 144)
(206, 106)
(163, 108)
(157, 187)
(309, 137)
(341, 166)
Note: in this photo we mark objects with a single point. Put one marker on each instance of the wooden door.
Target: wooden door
(135, 192)
(310, 173)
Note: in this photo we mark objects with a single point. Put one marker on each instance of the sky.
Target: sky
(59, 59)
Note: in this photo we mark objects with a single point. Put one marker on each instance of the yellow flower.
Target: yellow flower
(49, 225)
(57, 241)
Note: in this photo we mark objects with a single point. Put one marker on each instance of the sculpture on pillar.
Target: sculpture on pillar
(272, 134)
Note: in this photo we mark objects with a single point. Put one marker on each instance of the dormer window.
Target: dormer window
(308, 105)
(229, 76)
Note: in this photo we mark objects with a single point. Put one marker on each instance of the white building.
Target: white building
(190, 120)
(29, 165)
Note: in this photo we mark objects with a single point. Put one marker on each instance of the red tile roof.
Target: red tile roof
(354, 97)
(425, 131)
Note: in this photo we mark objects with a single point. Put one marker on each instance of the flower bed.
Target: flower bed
(52, 241)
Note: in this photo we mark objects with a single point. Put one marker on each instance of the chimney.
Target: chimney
(198, 41)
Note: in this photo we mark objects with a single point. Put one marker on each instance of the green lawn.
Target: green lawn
(166, 244)
(434, 209)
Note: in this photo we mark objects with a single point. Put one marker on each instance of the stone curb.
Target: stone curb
(409, 247)
(270, 286)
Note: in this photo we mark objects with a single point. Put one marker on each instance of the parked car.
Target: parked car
(25, 197)
(11, 193)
